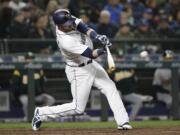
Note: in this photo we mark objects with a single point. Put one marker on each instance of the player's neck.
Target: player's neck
(64, 30)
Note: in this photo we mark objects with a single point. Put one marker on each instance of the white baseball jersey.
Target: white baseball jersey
(72, 45)
(161, 75)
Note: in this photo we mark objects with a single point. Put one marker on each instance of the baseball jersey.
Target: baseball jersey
(161, 75)
(72, 44)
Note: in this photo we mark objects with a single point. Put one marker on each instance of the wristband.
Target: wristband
(93, 35)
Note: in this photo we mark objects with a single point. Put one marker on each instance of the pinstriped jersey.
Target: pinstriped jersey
(72, 45)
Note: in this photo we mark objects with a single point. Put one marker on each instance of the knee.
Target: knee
(24, 99)
(109, 88)
(48, 99)
(138, 104)
(79, 111)
(76, 109)
(51, 101)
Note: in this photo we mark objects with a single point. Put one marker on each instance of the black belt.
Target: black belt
(82, 64)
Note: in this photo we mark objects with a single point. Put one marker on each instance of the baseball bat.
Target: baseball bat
(110, 60)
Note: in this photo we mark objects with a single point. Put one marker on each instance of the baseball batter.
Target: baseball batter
(74, 39)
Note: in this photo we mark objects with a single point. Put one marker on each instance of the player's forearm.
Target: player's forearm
(93, 54)
(83, 28)
(98, 52)
(100, 39)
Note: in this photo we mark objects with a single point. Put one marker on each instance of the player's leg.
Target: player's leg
(137, 101)
(166, 98)
(46, 99)
(80, 88)
(24, 101)
(108, 88)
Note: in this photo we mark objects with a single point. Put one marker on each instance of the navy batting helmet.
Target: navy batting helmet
(62, 16)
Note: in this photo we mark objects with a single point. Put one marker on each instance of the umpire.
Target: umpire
(19, 83)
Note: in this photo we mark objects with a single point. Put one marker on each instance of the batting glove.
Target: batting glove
(104, 40)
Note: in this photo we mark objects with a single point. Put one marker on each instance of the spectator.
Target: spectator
(177, 30)
(115, 8)
(20, 24)
(17, 4)
(6, 16)
(163, 29)
(41, 4)
(42, 31)
(92, 7)
(63, 3)
(148, 15)
(76, 5)
(143, 29)
(51, 7)
(126, 18)
(124, 31)
(85, 18)
(138, 8)
(96, 7)
(125, 82)
(28, 13)
(172, 7)
(106, 27)
(154, 5)
(19, 83)
(35, 9)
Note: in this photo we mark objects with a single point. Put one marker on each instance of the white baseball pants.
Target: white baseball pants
(82, 79)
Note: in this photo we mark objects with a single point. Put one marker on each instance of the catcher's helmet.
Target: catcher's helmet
(62, 16)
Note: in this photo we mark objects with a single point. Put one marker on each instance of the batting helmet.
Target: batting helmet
(62, 16)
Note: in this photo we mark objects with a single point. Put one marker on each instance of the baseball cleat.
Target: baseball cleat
(36, 121)
(125, 126)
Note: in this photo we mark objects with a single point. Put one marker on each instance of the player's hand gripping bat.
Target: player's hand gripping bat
(110, 60)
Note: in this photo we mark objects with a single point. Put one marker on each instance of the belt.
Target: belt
(81, 65)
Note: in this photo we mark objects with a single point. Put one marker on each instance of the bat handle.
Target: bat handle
(107, 49)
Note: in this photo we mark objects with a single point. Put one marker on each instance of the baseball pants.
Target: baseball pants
(82, 79)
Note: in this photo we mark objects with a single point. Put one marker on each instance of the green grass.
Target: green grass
(92, 124)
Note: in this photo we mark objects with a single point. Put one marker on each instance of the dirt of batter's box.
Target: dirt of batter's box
(93, 131)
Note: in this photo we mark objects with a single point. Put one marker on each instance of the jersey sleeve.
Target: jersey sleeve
(76, 21)
(73, 46)
(157, 79)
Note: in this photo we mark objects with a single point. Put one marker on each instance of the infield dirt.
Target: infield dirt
(93, 131)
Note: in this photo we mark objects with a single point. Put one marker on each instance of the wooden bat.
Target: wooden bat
(110, 60)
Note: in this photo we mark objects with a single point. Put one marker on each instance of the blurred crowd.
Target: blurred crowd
(115, 18)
